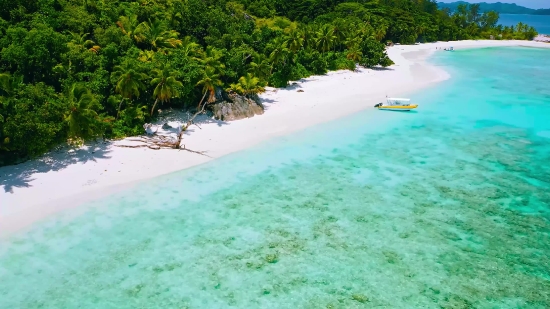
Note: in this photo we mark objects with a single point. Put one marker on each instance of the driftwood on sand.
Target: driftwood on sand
(224, 106)
(156, 141)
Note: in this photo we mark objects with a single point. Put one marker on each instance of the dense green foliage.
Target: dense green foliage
(501, 8)
(79, 69)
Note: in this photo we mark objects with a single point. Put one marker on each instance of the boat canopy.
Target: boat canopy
(399, 99)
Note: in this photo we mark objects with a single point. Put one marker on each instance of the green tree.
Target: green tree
(157, 35)
(82, 115)
(129, 82)
(339, 31)
(308, 35)
(295, 41)
(260, 66)
(189, 47)
(248, 85)
(325, 38)
(354, 54)
(5, 83)
(80, 41)
(353, 37)
(166, 85)
(34, 124)
(279, 53)
(6, 90)
(211, 59)
(489, 20)
(209, 81)
(33, 53)
(128, 25)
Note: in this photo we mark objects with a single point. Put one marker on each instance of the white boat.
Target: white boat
(396, 104)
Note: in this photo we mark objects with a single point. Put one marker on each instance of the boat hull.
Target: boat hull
(398, 107)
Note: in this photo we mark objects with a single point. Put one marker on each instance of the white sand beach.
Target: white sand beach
(60, 179)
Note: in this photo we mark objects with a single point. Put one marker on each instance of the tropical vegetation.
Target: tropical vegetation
(72, 70)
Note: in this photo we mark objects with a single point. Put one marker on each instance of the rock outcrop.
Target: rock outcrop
(232, 106)
(542, 38)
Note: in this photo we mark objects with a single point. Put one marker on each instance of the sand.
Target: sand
(62, 178)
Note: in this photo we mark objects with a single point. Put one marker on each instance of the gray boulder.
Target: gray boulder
(232, 106)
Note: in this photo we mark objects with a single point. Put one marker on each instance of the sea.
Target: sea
(447, 206)
(540, 22)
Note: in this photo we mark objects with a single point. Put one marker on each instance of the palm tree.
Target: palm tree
(307, 34)
(129, 82)
(295, 41)
(211, 59)
(157, 35)
(166, 86)
(82, 115)
(128, 25)
(279, 53)
(339, 32)
(368, 33)
(260, 66)
(354, 54)
(379, 30)
(325, 38)
(521, 27)
(80, 41)
(210, 80)
(190, 47)
(146, 55)
(353, 37)
(248, 85)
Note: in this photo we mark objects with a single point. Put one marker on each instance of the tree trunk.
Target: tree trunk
(119, 106)
(153, 109)
(204, 95)
(190, 121)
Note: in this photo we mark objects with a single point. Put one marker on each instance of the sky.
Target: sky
(534, 4)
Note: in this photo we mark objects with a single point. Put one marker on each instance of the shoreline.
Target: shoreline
(65, 179)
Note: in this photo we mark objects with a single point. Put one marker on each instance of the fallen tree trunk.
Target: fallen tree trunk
(154, 147)
(189, 123)
(157, 142)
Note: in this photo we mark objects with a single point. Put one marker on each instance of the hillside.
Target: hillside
(499, 7)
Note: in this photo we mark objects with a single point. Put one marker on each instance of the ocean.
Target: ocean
(444, 207)
(540, 22)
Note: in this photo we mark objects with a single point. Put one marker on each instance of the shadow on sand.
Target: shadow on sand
(381, 69)
(20, 175)
(201, 120)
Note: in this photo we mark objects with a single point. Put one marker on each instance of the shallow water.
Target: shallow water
(447, 207)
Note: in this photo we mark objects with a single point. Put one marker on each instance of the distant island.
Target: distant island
(499, 7)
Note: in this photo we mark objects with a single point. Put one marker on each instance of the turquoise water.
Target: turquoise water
(539, 22)
(447, 207)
